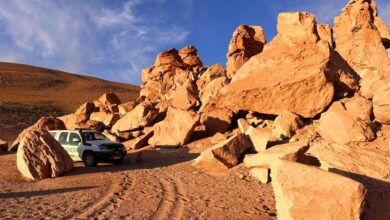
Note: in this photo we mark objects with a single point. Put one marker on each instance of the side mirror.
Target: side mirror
(76, 140)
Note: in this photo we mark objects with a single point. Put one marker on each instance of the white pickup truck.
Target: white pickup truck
(89, 146)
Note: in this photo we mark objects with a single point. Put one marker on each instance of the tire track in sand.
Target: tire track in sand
(173, 199)
(111, 201)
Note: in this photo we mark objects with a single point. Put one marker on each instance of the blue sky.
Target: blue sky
(114, 40)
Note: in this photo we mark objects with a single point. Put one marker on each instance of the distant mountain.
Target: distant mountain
(29, 92)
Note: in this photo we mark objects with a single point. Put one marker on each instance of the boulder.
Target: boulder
(44, 123)
(292, 73)
(141, 116)
(139, 142)
(260, 173)
(305, 192)
(186, 96)
(91, 125)
(126, 107)
(86, 108)
(291, 151)
(340, 126)
(175, 130)
(189, 55)
(216, 119)
(259, 137)
(286, 124)
(109, 99)
(359, 42)
(359, 107)
(225, 154)
(211, 90)
(3, 146)
(110, 136)
(246, 42)
(243, 125)
(40, 156)
(254, 119)
(213, 72)
(325, 33)
(168, 73)
(381, 25)
(381, 102)
(72, 120)
(362, 160)
(108, 119)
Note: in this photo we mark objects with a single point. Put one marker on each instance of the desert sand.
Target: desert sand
(163, 185)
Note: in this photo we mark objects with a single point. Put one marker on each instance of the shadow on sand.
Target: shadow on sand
(42, 192)
(147, 159)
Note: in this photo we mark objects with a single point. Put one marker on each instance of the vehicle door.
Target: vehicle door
(75, 146)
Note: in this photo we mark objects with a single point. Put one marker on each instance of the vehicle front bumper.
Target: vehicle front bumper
(109, 156)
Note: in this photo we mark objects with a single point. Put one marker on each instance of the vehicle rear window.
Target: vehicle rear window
(63, 137)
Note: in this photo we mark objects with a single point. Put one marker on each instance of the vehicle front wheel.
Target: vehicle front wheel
(89, 159)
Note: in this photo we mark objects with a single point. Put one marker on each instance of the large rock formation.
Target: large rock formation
(341, 126)
(169, 72)
(225, 154)
(381, 102)
(359, 42)
(175, 130)
(304, 192)
(142, 115)
(246, 42)
(40, 156)
(292, 73)
(286, 124)
(44, 123)
(186, 96)
(361, 160)
(189, 55)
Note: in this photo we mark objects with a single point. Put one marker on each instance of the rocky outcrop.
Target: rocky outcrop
(126, 107)
(168, 73)
(40, 156)
(91, 125)
(359, 42)
(72, 120)
(381, 102)
(108, 119)
(352, 159)
(86, 108)
(216, 119)
(44, 123)
(338, 125)
(141, 116)
(286, 124)
(292, 152)
(185, 97)
(246, 42)
(292, 73)
(189, 55)
(175, 130)
(259, 137)
(225, 154)
(139, 142)
(305, 192)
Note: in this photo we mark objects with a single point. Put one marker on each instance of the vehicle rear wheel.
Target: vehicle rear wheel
(89, 159)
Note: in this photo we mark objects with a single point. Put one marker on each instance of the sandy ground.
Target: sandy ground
(163, 185)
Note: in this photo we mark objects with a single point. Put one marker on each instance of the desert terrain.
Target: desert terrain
(28, 93)
(294, 127)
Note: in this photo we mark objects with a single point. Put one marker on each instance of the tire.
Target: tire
(89, 159)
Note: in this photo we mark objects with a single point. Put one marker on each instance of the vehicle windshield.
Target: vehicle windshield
(93, 136)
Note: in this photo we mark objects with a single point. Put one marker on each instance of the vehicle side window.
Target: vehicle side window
(74, 136)
(63, 137)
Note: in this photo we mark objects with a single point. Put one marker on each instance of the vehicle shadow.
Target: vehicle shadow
(378, 195)
(146, 159)
(8, 195)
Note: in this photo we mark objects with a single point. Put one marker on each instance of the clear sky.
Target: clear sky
(114, 40)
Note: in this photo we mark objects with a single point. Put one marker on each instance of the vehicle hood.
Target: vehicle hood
(99, 142)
